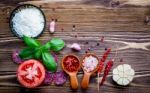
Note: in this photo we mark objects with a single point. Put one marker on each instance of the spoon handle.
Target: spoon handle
(73, 81)
(85, 80)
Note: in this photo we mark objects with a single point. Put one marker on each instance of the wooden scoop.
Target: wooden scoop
(86, 77)
(73, 75)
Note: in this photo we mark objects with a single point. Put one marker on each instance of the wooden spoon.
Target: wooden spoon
(73, 75)
(86, 77)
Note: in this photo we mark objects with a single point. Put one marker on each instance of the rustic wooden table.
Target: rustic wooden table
(124, 25)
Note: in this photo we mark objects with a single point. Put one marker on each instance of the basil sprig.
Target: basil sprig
(30, 42)
(56, 44)
(26, 53)
(35, 50)
(49, 62)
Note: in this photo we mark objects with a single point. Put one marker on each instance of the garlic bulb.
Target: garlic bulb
(123, 74)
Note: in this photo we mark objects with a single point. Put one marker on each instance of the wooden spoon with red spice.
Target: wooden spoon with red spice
(71, 64)
(86, 77)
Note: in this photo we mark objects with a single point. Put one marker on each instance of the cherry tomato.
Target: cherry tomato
(31, 73)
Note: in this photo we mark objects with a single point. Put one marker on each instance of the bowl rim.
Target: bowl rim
(13, 13)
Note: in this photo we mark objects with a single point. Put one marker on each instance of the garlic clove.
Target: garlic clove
(115, 71)
(131, 72)
(130, 78)
(75, 46)
(127, 72)
(126, 67)
(116, 77)
(125, 75)
(120, 68)
(125, 81)
(119, 81)
(121, 74)
(52, 26)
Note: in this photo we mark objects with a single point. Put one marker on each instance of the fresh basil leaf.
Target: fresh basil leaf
(49, 62)
(43, 48)
(57, 44)
(27, 53)
(38, 54)
(46, 47)
(31, 42)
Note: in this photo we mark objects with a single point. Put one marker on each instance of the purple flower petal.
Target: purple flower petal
(16, 58)
(48, 78)
(60, 78)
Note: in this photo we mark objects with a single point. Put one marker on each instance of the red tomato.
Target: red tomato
(31, 73)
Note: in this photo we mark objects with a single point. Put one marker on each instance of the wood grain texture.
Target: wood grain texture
(123, 27)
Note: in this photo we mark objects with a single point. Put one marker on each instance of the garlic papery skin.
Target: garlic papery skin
(123, 74)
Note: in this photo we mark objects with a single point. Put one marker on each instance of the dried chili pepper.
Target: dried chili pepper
(108, 65)
(100, 68)
(101, 63)
(105, 55)
(107, 70)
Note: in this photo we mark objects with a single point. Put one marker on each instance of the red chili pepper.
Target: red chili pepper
(107, 70)
(101, 63)
(100, 68)
(105, 54)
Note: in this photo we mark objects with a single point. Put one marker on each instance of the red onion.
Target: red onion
(48, 78)
(16, 58)
(60, 78)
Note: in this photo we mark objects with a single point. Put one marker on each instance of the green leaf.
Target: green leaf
(27, 53)
(41, 49)
(57, 44)
(38, 54)
(31, 42)
(49, 62)
(46, 47)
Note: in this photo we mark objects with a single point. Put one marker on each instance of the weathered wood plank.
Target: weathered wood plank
(122, 26)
